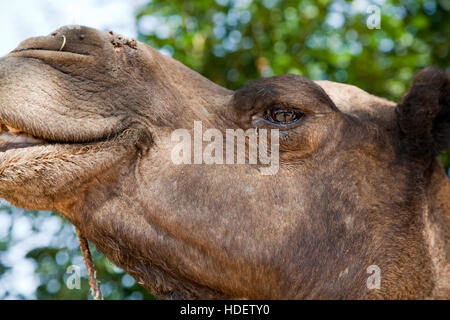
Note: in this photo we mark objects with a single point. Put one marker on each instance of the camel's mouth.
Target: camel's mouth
(39, 166)
(12, 138)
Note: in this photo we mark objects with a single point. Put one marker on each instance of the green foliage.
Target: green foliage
(232, 42)
(52, 262)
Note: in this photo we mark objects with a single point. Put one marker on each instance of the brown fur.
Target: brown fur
(358, 184)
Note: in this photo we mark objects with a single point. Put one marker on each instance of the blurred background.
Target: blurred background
(230, 42)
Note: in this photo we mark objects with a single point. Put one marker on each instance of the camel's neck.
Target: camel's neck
(155, 245)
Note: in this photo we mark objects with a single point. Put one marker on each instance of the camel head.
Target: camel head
(131, 146)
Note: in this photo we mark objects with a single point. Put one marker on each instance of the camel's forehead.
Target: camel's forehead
(353, 100)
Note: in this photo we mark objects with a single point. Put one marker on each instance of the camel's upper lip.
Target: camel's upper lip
(36, 97)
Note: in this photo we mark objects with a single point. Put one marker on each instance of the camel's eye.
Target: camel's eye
(281, 115)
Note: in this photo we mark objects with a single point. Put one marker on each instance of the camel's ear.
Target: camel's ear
(423, 114)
